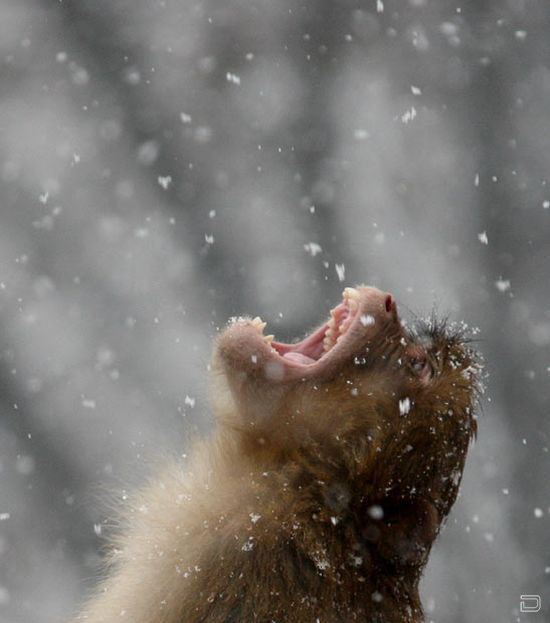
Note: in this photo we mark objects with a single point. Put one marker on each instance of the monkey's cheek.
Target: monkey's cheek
(274, 371)
(257, 398)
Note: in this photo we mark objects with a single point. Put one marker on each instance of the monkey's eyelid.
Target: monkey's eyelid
(423, 368)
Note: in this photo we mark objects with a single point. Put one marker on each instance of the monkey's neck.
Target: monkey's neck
(317, 532)
(337, 560)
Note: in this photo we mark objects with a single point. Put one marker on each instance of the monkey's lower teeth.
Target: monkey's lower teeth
(259, 324)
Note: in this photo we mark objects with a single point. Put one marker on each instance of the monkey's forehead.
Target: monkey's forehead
(434, 331)
(450, 344)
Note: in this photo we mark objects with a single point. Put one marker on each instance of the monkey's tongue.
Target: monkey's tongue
(299, 358)
(305, 352)
(321, 341)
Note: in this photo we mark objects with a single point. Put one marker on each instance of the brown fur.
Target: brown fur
(315, 500)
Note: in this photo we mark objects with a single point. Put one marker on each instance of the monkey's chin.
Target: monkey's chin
(363, 313)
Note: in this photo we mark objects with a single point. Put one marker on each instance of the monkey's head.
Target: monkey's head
(381, 414)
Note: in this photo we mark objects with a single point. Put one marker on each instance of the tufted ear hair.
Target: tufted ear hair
(400, 532)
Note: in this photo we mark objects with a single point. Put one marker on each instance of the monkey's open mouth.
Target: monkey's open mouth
(362, 313)
(322, 340)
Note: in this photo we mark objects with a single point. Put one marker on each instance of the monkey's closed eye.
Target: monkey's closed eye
(422, 368)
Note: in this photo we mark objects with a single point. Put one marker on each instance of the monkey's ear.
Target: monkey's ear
(403, 535)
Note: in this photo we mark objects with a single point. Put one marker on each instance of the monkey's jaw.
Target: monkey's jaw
(363, 314)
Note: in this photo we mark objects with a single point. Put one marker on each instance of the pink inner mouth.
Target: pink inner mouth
(319, 343)
(362, 315)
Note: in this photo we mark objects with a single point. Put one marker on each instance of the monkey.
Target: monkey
(317, 498)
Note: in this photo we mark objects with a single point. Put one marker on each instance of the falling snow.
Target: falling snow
(189, 401)
(502, 285)
(313, 248)
(409, 115)
(233, 78)
(482, 237)
(375, 512)
(164, 181)
(404, 406)
(367, 320)
(361, 134)
(138, 212)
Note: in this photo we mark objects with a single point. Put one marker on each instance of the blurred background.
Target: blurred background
(165, 164)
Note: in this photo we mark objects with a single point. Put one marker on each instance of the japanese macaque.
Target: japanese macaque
(317, 499)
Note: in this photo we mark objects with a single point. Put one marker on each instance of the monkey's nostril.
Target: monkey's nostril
(389, 304)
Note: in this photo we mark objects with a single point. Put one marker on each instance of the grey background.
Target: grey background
(165, 164)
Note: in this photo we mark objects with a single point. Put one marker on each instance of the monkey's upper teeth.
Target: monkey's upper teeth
(353, 305)
(331, 335)
(350, 294)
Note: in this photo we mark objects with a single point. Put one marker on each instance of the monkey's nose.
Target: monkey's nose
(379, 301)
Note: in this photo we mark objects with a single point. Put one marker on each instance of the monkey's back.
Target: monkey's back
(206, 543)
